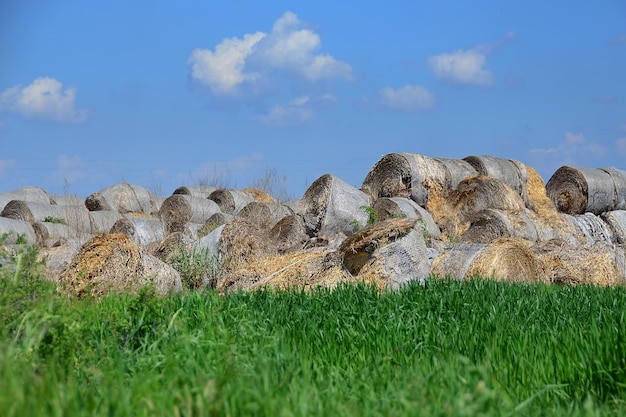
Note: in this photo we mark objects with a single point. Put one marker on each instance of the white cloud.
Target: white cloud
(222, 70)
(573, 149)
(462, 66)
(296, 112)
(44, 98)
(621, 146)
(467, 66)
(408, 98)
(288, 47)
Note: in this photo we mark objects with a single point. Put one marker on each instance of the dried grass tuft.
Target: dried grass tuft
(566, 264)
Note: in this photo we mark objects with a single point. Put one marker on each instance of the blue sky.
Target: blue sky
(164, 93)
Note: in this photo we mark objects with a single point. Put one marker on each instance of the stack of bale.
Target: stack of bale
(413, 217)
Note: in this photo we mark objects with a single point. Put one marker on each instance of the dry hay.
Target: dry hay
(507, 259)
(244, 242)
(512, 173)
(567, 264)
(259, 195)
(114, 263)
(356, 251)
(479, 193)
(288, 234)
(445, 216)
(306, 270)
(175, 213)
(546, 214)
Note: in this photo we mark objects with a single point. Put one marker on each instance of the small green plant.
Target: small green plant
(372, 219)
(51, 219)
(21, 239)
(371, 213)
(197, 267)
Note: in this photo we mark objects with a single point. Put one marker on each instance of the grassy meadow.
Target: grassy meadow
(446, 348)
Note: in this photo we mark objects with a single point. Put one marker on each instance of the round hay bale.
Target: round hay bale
(507, 259)
(202, 209)
(265, 215)
(175, 213)
(393, 250)
(567, 264)
(490, 224)
(144, 231)
(259, 195)
(15, 230)
(591, 228)
(52, 234)
(288, 234)
(68, 200)
(230, 201)
(399, 207)
(30, 194)
(577, 190)
(512, 173)
(616, 219)
(242, 242)
(124, 198)
(103, 221)
(415, 176)
(114, 263)
(77, 217)
(331, 205)
(257, 213)
(200, 191)
(479, 193)
(357, 250)
(619, 182)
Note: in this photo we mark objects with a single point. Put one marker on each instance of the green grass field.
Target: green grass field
(446, 348)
